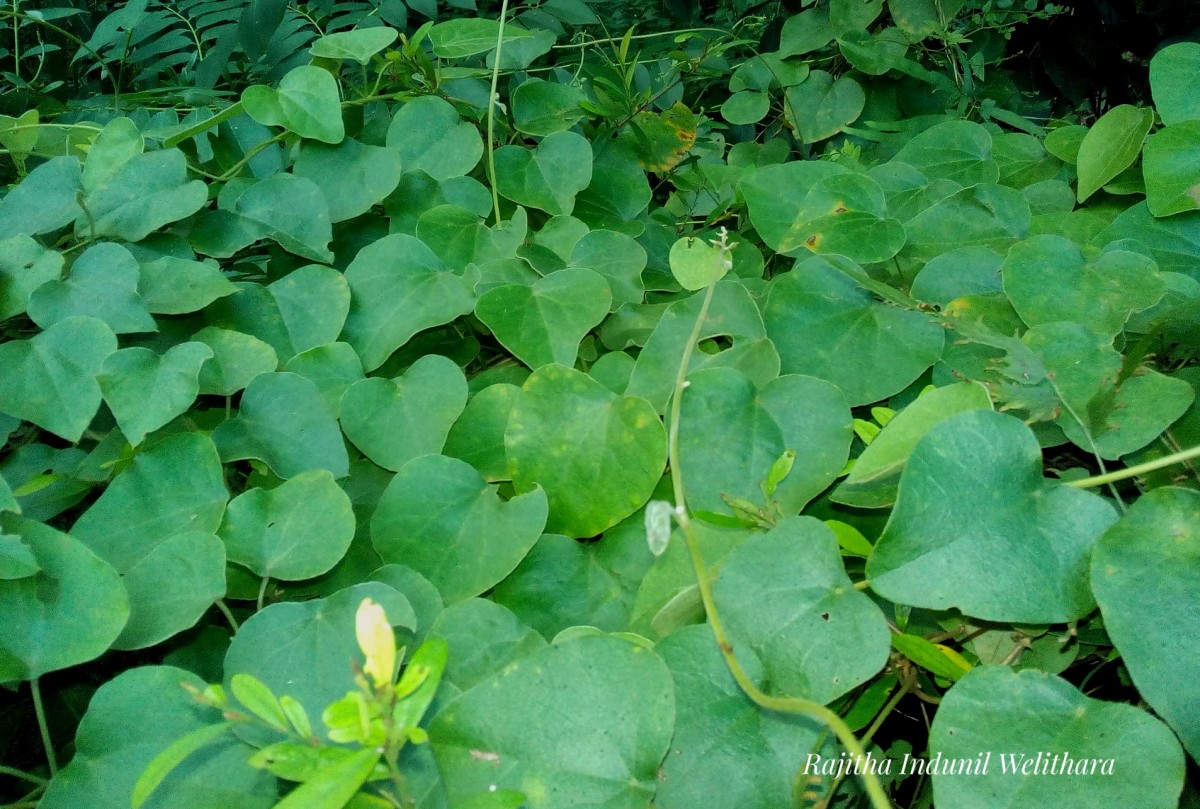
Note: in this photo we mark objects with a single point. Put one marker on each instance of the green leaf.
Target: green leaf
(395, 420)
(549, 176)
(696, 264)
(430, 136)
(16, 558)
(24, 266)
(1171, 163)
(805, 32)
(615, 256)
(959, 151)
(315, 637)
(46, 200)
(1063, 142)
(50, 380)
(333, 786)
(821, 106)
(174, 286)
(1025, 720)
(358, 45)
(746, 107)
(306, 103)
(545, 323)
(237, 359)
(482, 638)
(304, 309)
(68, 613)
(608, 754)
(932, 657)
(597, 455)
(146, 391)
(1048, 279)
(295, 531)
(477, 437)
(1173, 82)
(1174, 242)
(333, 368)
(564, 583)
(1111, 146)
(973, 490)
(726, 753)
(473, 540)
(352, 176)
(171, 757)
(785, 597)
(130, 194)
(255, 697)
(984, 215)
(1145, 571)
(283, 422)
(399, 287)
(171, 588)
(731, 433)
(542, 108)
(129, 723)
(172, 487)
(874, 479)
(825, 325)
(102, 283)
(292, 211)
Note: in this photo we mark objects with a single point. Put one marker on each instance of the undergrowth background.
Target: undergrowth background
(746, 385)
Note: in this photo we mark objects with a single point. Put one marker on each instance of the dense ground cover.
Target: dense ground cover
(590, 404)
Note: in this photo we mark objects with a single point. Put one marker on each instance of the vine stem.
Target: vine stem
(24, 776)
(788, 705)
(491, 118)
(39, 710)
(1134, 471)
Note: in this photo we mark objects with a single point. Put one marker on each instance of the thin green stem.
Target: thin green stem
(24, 776)
(788, 705)
(590, 42)
(224, 608)
(1134, 471)
(39, 709)
(241, 164)
(491, 114)
(17, 42)
(262, 593)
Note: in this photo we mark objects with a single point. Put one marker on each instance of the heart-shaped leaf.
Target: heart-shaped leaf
(1172, 82)
(732, 433)
(976, 527)
(1046, 744)
(395, 420)
(473, 540)
(430, 136)
(1048, 278)
(825, 325)
(133, 718)
(67, 613)
(130, 194)
(352, 176)
(1145, 573)
(611, 752)
(283, 422)
(543, 108)
(171, 285)
(145, 391)
(399, 287)
(725, 750)
(304, 309)
(51, 379)
(785, 596)
(333, 368)
(461, 625)
(597, 455)
(237, 359)
(292, 211)
(24, 266)
(172, 487)
(549, 176)
(171, 587)
(102, 284)
(316, 637)
(545, 323)
(1111, 146)
(960, 151)
(821, 105)
(46, 200)
(1171, 164)
(306, 103)
(297, 530)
